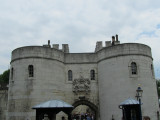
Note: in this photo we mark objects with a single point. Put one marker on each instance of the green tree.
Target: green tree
(4, 78)
(158, 88)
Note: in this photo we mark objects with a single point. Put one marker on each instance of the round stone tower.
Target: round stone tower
(121, 68)
(37, 75)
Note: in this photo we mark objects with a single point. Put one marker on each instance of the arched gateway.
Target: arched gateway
(89, 104)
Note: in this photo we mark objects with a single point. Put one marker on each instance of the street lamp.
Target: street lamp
(138, 96)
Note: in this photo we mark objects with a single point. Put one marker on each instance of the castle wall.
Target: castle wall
(116, 83)
(81, 64)
(82, 70)
(50, 79)
(3, 103)
(113, 82)
(81, 58)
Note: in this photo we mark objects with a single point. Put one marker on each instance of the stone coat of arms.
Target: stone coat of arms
(81, 85)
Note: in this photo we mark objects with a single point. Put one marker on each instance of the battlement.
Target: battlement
(99, 44)
(65, 47)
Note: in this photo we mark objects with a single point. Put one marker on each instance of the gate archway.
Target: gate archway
(89, 104)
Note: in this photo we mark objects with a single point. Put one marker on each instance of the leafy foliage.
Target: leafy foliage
(158, 88)
(4, 78)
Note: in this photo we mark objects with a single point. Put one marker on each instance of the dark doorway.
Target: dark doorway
(131, 112)
(131, 109)
(50, 108)
(51, 113)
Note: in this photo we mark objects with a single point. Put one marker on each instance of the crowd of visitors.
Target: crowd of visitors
(83, 116)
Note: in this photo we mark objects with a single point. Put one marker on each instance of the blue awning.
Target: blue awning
(53, 104)
(129, 102)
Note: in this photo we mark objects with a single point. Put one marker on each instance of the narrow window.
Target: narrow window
(134, 68)
(152, 70)
(31, 70)
(92, 74)
(69, 75)
(12, 72)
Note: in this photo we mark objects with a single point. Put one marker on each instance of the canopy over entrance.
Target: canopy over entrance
(51, 108)
(130, 109)
(129, 102)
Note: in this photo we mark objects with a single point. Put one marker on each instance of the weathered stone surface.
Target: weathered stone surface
(113, 79)
(3, 103)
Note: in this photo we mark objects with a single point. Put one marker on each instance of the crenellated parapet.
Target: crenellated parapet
(65, 47)
(44, 52)
(111, 49)
(37, 52)
(127, 49)
(99, 44)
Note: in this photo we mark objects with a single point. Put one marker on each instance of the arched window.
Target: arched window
(12, 72)
(70, 75)
(31, 71)
(92, 75)
(134, 68)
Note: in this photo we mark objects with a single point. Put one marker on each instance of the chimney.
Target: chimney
(47, 45)
(113, 40)
(49, 42)
(116, 37)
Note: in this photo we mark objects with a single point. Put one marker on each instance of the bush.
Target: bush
(4, 78)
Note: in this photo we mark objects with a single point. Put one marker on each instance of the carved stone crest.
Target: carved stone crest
(81, 85)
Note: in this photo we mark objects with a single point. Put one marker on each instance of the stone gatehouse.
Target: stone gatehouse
(101, 79)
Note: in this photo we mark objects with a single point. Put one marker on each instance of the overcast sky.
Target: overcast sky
(79, 23)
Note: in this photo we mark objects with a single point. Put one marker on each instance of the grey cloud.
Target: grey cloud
(79, 23)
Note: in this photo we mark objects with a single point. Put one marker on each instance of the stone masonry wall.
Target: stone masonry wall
(112, 85)
(3, 104)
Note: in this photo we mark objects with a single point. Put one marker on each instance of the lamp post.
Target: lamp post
(138, 96)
